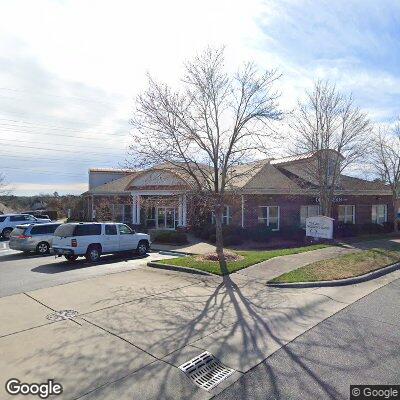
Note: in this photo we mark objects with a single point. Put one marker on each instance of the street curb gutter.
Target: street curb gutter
(177, 268)
(340, 282)
(181, 253)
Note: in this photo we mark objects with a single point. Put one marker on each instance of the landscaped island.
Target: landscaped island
(342, 267)
(245, 259)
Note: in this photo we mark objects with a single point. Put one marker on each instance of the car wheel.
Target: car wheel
(6, 233)
(70, 257)
(142, 248)
(93, 254)
(43, 248)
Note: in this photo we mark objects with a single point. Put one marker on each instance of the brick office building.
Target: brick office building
(276, 193)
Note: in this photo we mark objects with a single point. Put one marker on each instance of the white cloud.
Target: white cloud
(78, 65)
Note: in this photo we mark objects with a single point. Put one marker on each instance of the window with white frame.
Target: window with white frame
(379, 213)
(269, 215)
(118, 212)
(121, 212)
(226, 216)
(308, 211)
(346, 214)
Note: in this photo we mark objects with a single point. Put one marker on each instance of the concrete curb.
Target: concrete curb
(340, 282)
(177, 268)
(182, 253)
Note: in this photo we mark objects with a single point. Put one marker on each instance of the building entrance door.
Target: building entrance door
(166, 217)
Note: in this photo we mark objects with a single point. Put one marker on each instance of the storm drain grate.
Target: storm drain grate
(61, 315)
(206, 371)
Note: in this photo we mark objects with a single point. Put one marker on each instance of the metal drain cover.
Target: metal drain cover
(61, 315)
(206, 371)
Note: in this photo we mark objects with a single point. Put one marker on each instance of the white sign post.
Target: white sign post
(319, 227)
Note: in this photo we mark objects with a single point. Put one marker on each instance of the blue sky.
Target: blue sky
(69, 70)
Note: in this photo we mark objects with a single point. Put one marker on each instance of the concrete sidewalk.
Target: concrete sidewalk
(135, 328)
(274, 267)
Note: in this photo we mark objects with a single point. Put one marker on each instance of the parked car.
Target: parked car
(91, 240)
(9, 221)
(52, 214)
(33, 237)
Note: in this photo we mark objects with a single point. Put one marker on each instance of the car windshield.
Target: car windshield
(64, 230)
(2, 219)
(18, 231)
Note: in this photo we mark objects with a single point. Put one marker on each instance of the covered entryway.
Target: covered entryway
(159, 200)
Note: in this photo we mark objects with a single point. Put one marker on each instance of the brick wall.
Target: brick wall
(290, 207)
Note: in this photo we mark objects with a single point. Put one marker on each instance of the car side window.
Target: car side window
(124, 230)
(111, 230)
(38, 230)
(87, 230)
(17, 218)
(52, 228)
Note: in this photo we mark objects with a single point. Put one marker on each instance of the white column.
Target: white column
(138, 209)
(184, 211)
(180, 211)
(242, 211)
(134, 208)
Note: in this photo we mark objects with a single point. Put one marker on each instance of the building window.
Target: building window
(150, 217)
(269, 215)
(331, 167)
(128, 213)
(379, 213)
(346, 214)
(118, 212)
(226, 216)
(308, 211)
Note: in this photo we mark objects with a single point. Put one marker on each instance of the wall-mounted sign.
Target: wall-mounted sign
(334, 200)
(319, 227)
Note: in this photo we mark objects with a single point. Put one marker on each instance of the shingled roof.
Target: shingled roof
(278, 176)
(116, 186)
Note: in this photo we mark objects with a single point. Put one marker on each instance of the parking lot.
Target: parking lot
(20, 272)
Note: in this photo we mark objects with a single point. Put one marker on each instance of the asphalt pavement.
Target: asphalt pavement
(20, 272)
(358, 345)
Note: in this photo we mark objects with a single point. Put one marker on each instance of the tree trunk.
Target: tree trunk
(219, 242)
(325, 202)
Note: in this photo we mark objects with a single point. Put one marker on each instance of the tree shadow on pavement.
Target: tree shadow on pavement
(63, 266)
(240, 321)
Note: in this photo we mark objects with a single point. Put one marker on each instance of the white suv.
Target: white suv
(9, 221)
(92, 239)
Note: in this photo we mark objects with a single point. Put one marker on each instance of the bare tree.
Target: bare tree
(385, 161)
(4, 189)
(207, 128)
(335, 131)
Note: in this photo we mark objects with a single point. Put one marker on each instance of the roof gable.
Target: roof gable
(157, 178)
(269, 177)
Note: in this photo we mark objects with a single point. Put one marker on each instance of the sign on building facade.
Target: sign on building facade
(319, 227)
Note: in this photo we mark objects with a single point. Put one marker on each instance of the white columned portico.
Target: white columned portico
(180, 206)
(135, 209)
(182, 210)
